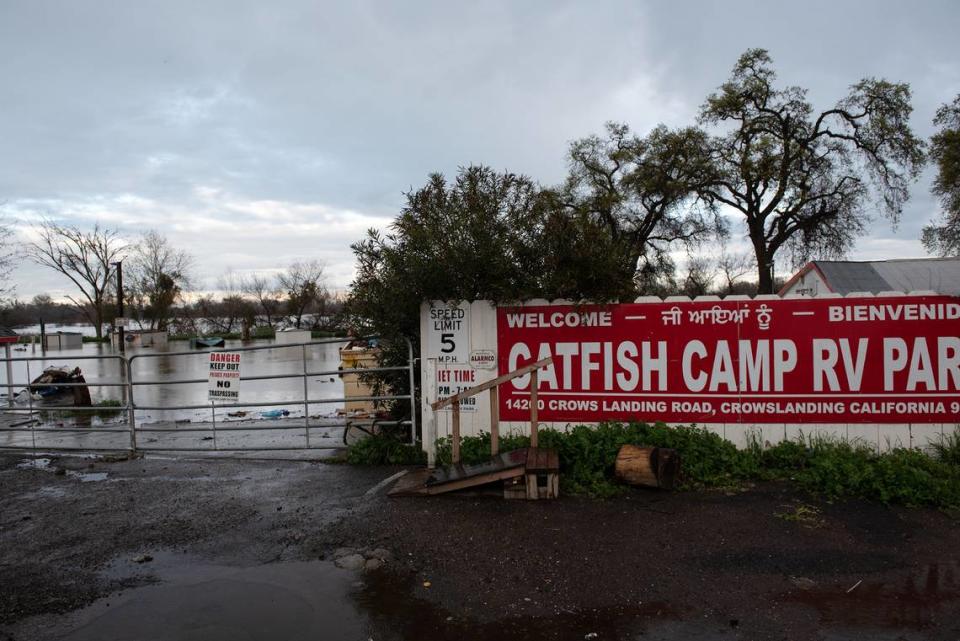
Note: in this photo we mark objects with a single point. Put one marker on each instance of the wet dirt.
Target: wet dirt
(920, 599)
(221, 549)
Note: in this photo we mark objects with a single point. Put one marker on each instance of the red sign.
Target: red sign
(844, 360)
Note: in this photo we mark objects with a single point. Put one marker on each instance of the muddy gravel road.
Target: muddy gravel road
(219, 549)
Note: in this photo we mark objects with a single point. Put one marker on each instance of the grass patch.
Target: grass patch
(105, 409)
(384, 450)
(947, 448)
(831, 469)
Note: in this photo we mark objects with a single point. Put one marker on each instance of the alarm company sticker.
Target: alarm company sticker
(483, 359)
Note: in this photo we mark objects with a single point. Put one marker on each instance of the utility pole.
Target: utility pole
(120, 336)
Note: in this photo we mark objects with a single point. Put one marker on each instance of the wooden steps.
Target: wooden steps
(535, 470)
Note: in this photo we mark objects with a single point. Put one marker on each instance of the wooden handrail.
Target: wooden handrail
(496, 382)
(493, 385)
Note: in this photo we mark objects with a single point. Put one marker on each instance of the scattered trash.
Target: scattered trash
(591, 635)
(60, 384)
(143, 558)
(274, 413)
(854, 587)
(207, 438)
(427, 584)
(240, 414)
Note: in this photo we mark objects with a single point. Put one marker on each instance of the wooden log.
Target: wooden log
(648, 466)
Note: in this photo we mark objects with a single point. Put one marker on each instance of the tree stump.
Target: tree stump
(648, 466)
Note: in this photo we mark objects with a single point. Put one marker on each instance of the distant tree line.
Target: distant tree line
(159, 287)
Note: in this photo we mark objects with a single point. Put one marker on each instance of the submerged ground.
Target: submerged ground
(218, 549)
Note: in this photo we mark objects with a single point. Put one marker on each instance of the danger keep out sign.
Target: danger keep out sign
(223, 377)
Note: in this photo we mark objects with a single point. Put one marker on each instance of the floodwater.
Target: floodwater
(161, 368)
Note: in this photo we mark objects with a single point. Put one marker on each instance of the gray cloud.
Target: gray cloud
(254, 134)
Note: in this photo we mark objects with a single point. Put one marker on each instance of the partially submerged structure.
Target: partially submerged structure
(63, 340)
(940, 275)
(157, 339)
(293, 336)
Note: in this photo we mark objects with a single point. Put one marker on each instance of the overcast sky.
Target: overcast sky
(257, 133)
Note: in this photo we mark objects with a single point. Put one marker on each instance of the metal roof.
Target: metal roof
(941, 275)
(6, 332)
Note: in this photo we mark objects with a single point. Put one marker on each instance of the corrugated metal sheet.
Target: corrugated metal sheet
(941, 275)
(846, 277)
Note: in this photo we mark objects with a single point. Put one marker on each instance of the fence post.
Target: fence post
(213, 417)
(6, 350)
(306, 403)
(411, 362)
(33, 434)
(494, 420)
(534, 407)
(127, 372)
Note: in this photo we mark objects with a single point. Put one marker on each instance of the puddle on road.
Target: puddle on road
(189, 600)
(183, 598)
(186, 599)
(914, 603)
(34, 464)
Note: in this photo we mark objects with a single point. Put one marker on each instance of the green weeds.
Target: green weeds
(827, 468)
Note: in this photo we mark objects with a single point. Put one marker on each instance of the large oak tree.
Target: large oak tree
(803, 180)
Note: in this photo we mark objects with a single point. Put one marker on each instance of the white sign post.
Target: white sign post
(223, 377)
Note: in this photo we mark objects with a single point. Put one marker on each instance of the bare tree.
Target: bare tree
(733, 266)
(233, 310)
(8, 257)
(85, 257)
(158, 275)
(700, 276)
(305, 286)
(267, 293)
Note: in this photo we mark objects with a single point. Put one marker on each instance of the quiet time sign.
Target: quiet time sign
(223, 377)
